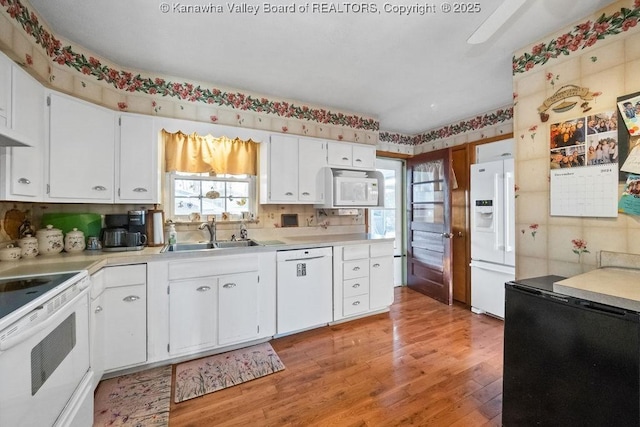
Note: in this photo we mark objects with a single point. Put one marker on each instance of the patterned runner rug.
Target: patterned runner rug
(138, 399)
(201, 376)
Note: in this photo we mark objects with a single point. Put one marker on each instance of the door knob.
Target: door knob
(447, 235)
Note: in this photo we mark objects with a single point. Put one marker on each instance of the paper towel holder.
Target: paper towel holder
(155, 227)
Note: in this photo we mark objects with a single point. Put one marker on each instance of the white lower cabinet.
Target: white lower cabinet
(380, 275)
(124, 303)
(362, 279)
(213, 302)
(192, 315)
(96, 327)
(237, 307)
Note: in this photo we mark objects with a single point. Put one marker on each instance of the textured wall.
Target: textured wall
(604, 57)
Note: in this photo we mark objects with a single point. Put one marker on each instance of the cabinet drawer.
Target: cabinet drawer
(381, 249)
(354, 269)
(355, 305)
(125, 275)
(355, 252)
(353, 287)
(212, 266)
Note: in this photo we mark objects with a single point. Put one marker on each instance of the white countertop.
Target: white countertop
(95, 260)
(615, 286)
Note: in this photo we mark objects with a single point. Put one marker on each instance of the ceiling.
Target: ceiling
(413, 73)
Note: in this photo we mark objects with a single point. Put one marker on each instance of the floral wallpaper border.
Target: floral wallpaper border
(580, 37)
(184, 91)
(499, 116)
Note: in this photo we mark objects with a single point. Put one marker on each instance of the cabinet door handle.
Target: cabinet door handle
(131, 298)
(203, 288)
(305, 193)
(229, 285)
(140, 190)
(345, 158)
(358, 161)
(99, 188)
(356, 285)
(376, 265)
(356, 268)
(356, 303)
(24, 181)
(288, 193)
(98, 309)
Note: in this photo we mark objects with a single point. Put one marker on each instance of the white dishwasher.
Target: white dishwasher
(305, 289)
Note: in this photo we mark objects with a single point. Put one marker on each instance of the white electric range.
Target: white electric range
(44, 350)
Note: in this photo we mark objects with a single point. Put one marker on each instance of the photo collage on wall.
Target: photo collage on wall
(629, 111)
(587, 141)
(584, 166)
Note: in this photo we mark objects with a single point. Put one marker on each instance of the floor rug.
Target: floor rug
(138, 399)
(201, 376)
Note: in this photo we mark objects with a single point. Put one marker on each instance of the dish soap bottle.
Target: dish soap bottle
(173, 237)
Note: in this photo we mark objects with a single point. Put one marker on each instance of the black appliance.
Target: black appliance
(136, 221)
(124, 232)
(16, 292)
(568, 361)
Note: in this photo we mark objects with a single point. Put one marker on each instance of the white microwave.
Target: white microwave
(355, 191)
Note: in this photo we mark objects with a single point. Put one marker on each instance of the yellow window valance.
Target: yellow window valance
(200, 154)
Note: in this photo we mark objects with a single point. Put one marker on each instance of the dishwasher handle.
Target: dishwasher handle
(304, 259)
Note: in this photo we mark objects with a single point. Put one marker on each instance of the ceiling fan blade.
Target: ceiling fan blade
(496, 20)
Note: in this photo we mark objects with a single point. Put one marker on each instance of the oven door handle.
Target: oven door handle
(42, 324)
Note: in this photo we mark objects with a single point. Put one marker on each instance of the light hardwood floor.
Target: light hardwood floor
(423, 363)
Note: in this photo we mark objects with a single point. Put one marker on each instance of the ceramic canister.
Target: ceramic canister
(49, 240)
(10, 253)
(29, 246)
(74, 241)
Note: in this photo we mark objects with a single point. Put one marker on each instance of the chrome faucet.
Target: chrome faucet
(211, 227)
(243, 231)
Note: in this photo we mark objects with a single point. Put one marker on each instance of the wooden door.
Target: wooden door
(460, 273)
(429, 224)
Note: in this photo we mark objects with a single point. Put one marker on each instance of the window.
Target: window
(219, 195)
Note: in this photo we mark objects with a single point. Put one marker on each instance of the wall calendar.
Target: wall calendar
(584, 166)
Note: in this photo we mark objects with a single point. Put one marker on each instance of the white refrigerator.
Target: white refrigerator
(492, 234)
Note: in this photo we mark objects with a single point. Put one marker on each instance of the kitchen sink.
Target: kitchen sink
(235, 243)
(203, 246)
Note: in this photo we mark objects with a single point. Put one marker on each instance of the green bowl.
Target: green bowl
(90, 224)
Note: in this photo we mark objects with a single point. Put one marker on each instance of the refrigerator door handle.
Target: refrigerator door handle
(508, 190)
(498, 184)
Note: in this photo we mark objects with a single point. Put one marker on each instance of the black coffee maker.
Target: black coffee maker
(137, 221)
(124, 232)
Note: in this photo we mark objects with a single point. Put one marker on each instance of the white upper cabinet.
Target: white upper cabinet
(347, 155)
(281, 177)
(137, 166)
(5, 91)
(22, 176)
(291, 170)
(81, 151)
(312, 158)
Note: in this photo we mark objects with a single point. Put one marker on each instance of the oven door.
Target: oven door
(40, 371)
